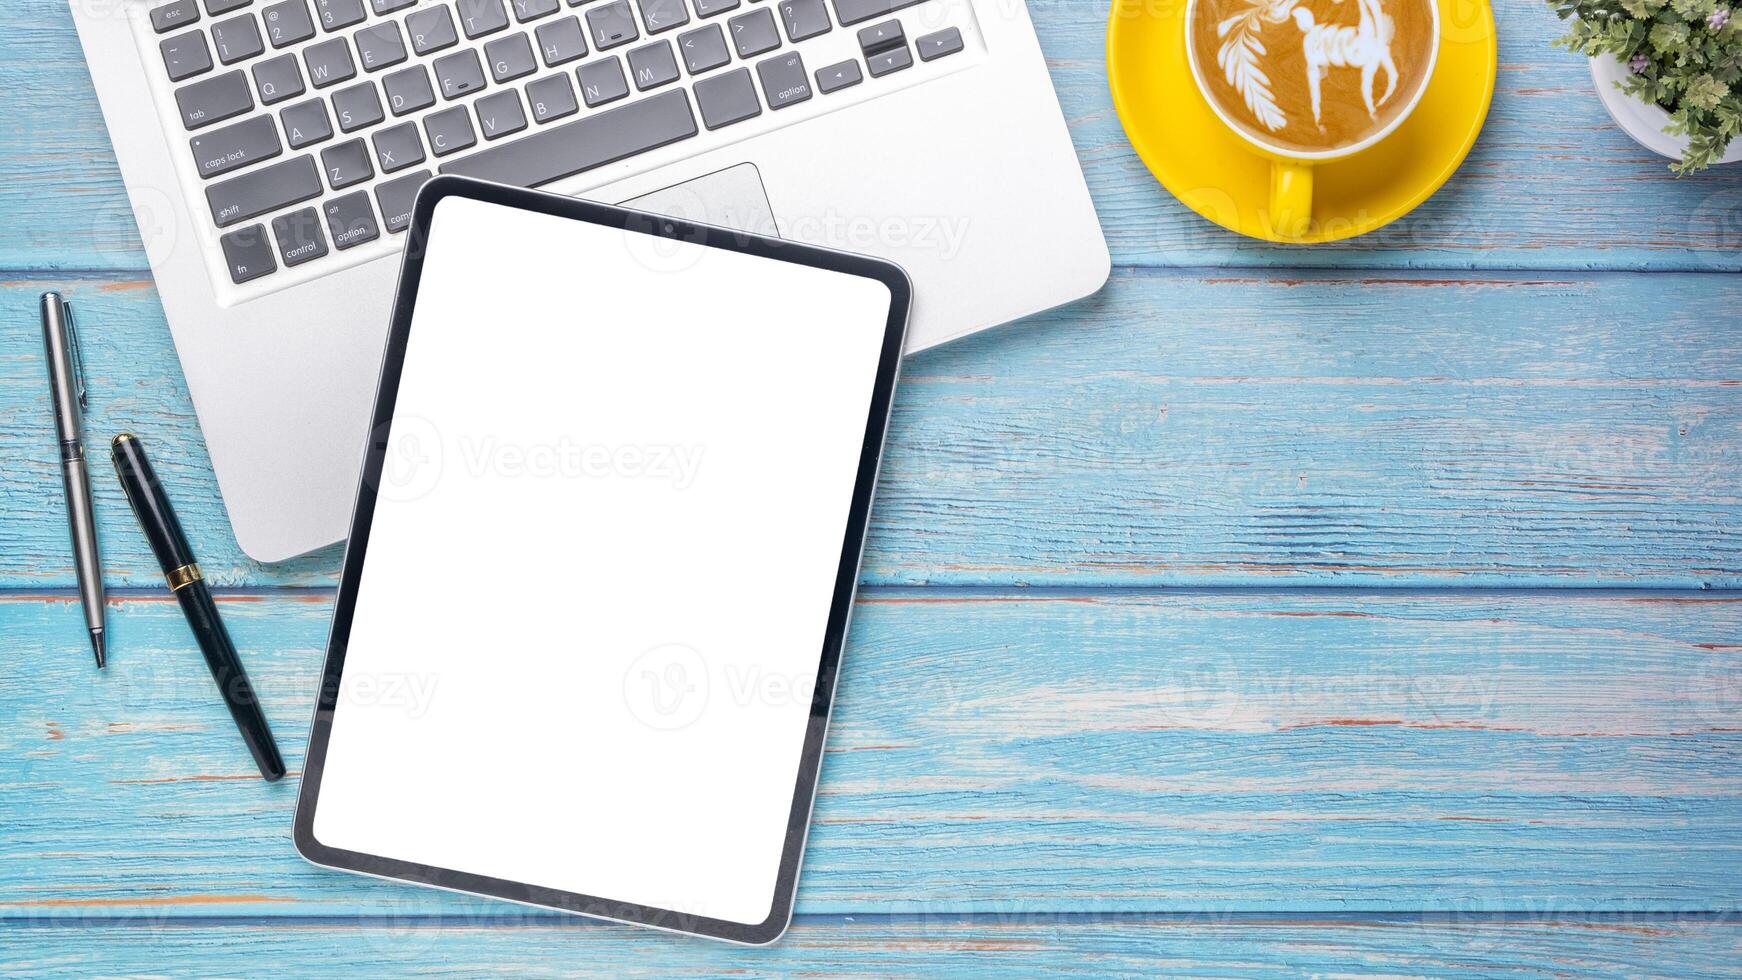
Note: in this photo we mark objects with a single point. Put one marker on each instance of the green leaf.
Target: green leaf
(1690, 70)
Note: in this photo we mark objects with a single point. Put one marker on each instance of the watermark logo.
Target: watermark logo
(666, 688)
(570, 458)
(412, 465)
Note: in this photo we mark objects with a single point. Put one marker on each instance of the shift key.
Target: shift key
(267, 189)
(854, 11)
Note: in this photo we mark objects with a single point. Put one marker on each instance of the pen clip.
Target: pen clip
(78, 355)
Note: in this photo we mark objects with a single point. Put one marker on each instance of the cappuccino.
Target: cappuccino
(1311, 76)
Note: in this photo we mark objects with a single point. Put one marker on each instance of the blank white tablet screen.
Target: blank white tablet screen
(593, 604)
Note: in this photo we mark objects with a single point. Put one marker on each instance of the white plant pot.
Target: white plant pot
(1641, 120)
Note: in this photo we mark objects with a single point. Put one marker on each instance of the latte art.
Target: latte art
(1310, 75)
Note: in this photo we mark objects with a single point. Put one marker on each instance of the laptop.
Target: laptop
(273, 150)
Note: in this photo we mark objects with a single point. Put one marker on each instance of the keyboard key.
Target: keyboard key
(357, 107)
(449, 130)
(233, 147)
(804, 18)
(214, 100)
(347, 164)
(592, 141)
(186, 55)
(257, 192)
(248, 254)
(704, 48)
(329, 62)
(726, 99)
(510, 57)
(612, 24)
(398, 147)
(380, 46)
(397, 197)
(306, 124)
(277, 79)
(299, 236)
(525, 10)
(481, 17)
(754, 32)
(237, 38)
(945, 42)
(879, 38)
(663, 15)
(500, 114)
(889, 61)
(854, 11)
(169, 16)
(351, 220)
(288, 22)
(459, 74)
(784, 81)
(216, 7)
(602, 81)
(708, 8)
(391, 6)
(653, 65)
(339, 14)
(833, 78)
(409, 90)
(431, 29)
(561, 41)
(551, 98)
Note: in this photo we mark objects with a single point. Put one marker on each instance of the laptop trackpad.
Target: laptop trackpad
(731, 198)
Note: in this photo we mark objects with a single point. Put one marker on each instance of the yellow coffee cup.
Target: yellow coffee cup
(1290, 209)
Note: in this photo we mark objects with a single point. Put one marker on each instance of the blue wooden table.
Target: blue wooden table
(1363, 608)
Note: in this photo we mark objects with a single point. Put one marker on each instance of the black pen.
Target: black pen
(170, 545)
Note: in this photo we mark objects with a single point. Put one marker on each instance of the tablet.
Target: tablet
(602, 560)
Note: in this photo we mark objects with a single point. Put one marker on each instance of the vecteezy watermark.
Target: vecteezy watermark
(412, 464)
(666, 688)
(408, 693)
(416, 456)
(670, 686)
(569, 458)
(939, 234)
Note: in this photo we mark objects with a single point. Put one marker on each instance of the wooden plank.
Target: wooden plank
(1210, 946)
(1277, 428)
(1551, 184)
(1010, 753)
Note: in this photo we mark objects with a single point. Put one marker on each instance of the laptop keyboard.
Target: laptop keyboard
(311, 124)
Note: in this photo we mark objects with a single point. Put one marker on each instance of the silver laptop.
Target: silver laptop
(273, 148)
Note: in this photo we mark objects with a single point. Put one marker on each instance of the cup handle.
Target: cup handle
(1291, 198)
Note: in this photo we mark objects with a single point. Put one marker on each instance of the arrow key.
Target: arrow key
(944, 42)
(833, 78)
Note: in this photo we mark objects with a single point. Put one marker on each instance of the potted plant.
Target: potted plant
(1669, 71)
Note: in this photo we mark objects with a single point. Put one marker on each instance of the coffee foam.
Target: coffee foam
(1260, 59)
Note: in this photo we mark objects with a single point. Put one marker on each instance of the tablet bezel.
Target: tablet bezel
(840, 609)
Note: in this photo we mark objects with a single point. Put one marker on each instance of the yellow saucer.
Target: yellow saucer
(1216, 174)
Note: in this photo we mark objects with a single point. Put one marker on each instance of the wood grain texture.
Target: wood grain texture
(940, 946)
(1552, 183)
(1230, 778)
(1277, 428)
(1011, 753)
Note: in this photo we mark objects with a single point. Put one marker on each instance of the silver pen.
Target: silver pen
(66, 379)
